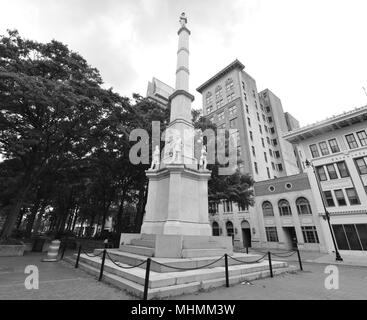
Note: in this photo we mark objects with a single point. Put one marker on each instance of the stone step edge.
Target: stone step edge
(137, 290)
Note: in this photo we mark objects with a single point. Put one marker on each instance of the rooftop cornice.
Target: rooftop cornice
(235, 64)
(332, 123)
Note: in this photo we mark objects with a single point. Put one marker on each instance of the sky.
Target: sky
(311, 54)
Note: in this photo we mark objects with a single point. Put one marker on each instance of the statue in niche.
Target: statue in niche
(177, 150)
(183, 20)
(156, 159)
(203, 158)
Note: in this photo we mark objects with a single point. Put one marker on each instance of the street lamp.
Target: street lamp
(327, 215)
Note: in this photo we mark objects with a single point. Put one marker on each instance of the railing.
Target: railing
(150, 261)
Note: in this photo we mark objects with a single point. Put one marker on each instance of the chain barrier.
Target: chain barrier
(118, 265)
(248, 262)
(187, 269)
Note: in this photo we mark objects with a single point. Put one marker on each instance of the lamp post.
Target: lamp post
(327, 215)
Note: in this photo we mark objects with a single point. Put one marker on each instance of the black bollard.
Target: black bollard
(63, 251)
(226, 267)
(299, 260)
(102, 265)
(270, 266)
(247, 249)
(77, 258)
(146, 285)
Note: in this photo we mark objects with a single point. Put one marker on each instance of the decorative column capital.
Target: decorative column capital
(183, 29)
(181, 92)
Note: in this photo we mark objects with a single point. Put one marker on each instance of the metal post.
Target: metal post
(102, 265)
(226, 267)
(77, 258)
(247, 249)
(63, 251)
(270, 265)
(327, 215)
(146, 285)
(299, 260)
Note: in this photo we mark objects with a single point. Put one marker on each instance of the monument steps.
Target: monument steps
(145, 251)
(162, 285)
(143, 243)
(193, 253)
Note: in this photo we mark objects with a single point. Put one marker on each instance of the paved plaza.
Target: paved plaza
(60, 280)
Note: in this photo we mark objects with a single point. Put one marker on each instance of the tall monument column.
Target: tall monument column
(177, 201)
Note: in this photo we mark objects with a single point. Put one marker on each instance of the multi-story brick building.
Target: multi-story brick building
(337, 149)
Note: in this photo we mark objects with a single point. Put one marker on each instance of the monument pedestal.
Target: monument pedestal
(177, 202)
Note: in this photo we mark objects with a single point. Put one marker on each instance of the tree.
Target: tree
(51, 104)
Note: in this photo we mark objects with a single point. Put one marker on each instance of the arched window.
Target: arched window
(218, 92)
(284, 208)
(303, 206)
(229, 227)
(209, 98)
(229, 84)
(268, 209)
(216, 229)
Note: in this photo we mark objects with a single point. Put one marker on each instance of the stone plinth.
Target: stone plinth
(177, 202)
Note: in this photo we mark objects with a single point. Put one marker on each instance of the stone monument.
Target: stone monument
(177, 217)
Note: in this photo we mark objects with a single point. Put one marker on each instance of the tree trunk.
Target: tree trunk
(14, 213)
(143, 196)
(105, 211)
(32, 217)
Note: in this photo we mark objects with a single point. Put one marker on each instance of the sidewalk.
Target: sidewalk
(318, 257)
(57, 281)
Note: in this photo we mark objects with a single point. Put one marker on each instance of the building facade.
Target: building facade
(336, 150)
(159, 92)
(231, 101)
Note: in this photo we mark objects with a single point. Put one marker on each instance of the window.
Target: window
(232, 110)
(266, 128)
(253, 93)
(216, 230)
(270, 119)
(352, 196)
(323, 148)
(268, 209)
(219, 103)
(209, 109)
(227, 206)
(343, 170)
(310, 234)
(213, 208)
(260, 129)
(362, 136)
(279, 167)
(351, 236)
(351, 141)
(334, 146)
(268, 172)
(272, 130)
(339, 195)
(268, 109)
(263, 142)
(332, 171)
(329, 199)
(247, 108)
(256, 105)
(209, 98)
(221, 116)
(251, 136)
(253, 151)
(238, 150)
(249, 122)
(271, 234)
(273, 165)
(232, 123)
(229, 84)
(245, 95)
(258, 116)
(256, 168)
(264, 119)
(284, 208)
(361, 165)
(314, 151)
(277, 154)
(270, 152)
(321, 173)
(229, 228)
(243, 86)
(275, 142)
(230, 97)
(218, 93)
(303, 206)
(268, 140)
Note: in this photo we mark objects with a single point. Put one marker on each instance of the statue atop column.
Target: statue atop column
(183, 20)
